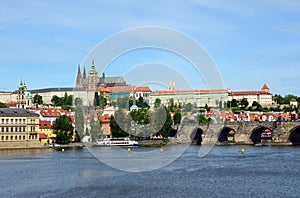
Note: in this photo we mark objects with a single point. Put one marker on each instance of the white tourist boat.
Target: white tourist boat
(117, 142)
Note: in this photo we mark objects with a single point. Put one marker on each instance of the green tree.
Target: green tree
(63, 128)
(2, 105)
(65, 102)
(115, 128)
(79, 117)
(177, 117)
(141, 103)
(244, 103)
(165, 130)
(38, 99)
(202, 119)
(56, 101)
(102, 100)
(256, 106)
(96, 130)
(157, 103)
(171, 105)
(234, 103)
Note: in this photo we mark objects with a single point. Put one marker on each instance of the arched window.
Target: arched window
(11, 137)
(7, 137)
(16, 137)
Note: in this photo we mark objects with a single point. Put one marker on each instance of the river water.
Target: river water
(223, 172)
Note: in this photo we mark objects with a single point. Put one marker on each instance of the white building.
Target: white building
(263, 97)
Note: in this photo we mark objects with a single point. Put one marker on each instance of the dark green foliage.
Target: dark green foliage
(38, 99)
(79, 117)
(2, 105)
(141, 116)
(96, 130)
(65, 102)
(177, 117)
(141, 103)
(244, 103)
(202, 119)
(63, 128)
(157, 103)
(115, 128)
(256, 106)
(165, 130)
(102, 100)
(234, 103)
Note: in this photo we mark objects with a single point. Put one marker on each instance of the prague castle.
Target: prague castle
(92, 82)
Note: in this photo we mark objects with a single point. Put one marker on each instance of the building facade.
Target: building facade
(263, 97)
(19, 128)
(112, 94)
(198, 98)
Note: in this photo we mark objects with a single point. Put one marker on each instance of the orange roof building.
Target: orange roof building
(263, 97)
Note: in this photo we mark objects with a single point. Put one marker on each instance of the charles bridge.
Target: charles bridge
(283, 133)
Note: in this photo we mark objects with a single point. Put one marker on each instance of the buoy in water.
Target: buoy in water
(128, 150)
(63, 150)
(243, 150)
(161, 150)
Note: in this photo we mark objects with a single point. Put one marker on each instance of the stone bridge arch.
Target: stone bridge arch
(196, 136)
(225, 132)
(294, 135)
(256, 133)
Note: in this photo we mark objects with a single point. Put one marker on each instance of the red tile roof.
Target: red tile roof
(240, 93)
(105, 118)
(43, 136)
(45, 124)
(265, 87)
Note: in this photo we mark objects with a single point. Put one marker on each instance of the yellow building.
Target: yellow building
(46, 133)
(19, 128)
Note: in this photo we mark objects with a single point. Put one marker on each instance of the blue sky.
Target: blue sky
(251, 42)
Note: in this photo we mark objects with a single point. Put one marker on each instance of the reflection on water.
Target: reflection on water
(224, 172)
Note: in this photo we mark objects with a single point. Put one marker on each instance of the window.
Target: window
(7, 120)
(2, 129)
(16, 137)
(6, 137)
(20, 137)
(24, 121)
(24, 128)
(2, 121)
(11, 137)
(2, 138)
(6, 129)
(23, 137)
(16, 121)
(11, 121)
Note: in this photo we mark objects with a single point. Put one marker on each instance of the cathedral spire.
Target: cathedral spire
(78, 78)
(84, 73)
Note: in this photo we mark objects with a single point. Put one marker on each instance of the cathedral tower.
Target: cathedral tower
(24, 98)
(93, 78)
